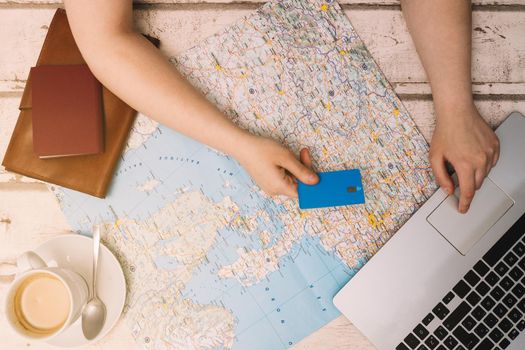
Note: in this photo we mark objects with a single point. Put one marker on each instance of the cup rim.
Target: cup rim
(16, 283)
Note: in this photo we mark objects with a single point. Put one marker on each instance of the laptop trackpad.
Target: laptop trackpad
(465, 230)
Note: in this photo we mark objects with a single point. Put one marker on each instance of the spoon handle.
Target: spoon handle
(96, 246)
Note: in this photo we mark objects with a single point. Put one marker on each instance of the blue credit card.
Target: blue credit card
(335, 188)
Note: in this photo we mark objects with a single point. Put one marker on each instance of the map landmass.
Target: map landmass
(211, 261)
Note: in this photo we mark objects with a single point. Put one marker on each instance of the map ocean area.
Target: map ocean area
(211, 261)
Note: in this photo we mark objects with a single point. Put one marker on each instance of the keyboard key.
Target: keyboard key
(428, 318)
(412, 341)
(469, 340)
(518, 290)
(504, 343)
(521, 305)
(461, 289)
(515, 315)
(519, 249)
(482, 288)
(448, 298)
(500, 310)
(402, 347)
(460, 348)
(473, 298)
(505, 242)
(440, 311)
(490, 320)
(506, 283)
(521, 325)
(522, 263)
(516, 273)
(495, 335)
(501, 268)
(431, 342)
(505, 325)
(486, 344)
(492, 278)
(440, 333)
(450, 342)
(497, 293)
(422, 347)
(420, 331)
(513, 334)
(510, 300)
(478, 313)
(481, 330)
(510, 258)
(488, 303)
(472, 278)
(457, 315)
(468, 323)
(481, 268)
(441, 347)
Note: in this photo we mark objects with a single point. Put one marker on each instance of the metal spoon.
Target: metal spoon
(94, 312)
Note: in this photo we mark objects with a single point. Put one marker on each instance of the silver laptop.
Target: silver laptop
(447, 280)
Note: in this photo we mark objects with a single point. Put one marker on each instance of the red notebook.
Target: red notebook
(67, 111)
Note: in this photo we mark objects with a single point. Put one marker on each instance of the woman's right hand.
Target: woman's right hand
(274, 167)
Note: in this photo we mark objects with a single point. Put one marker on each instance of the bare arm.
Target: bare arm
(441, 31)
(132, 68)
(129, 65)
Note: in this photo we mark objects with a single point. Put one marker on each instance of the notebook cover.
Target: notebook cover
(90, 174)
(67, 111)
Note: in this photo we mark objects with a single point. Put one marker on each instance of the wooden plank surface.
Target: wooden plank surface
(499, 3)
(29, 213)
(498, 52)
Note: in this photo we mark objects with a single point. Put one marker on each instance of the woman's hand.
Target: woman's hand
(467, 142)
(274, 167)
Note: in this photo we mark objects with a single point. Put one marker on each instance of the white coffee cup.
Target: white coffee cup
(34, 293)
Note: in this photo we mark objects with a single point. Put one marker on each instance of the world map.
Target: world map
(210, 260)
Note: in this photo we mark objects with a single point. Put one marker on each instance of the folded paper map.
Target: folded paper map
(211, 261)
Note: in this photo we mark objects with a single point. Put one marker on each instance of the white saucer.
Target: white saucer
(75, 252)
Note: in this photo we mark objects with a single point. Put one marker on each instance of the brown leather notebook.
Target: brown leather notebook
(89, 174)
(67, 111)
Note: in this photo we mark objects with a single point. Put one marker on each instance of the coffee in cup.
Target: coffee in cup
(42, 303)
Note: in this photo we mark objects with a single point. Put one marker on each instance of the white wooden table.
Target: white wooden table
(30, 214)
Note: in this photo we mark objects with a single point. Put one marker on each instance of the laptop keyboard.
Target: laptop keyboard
(486, 308)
